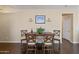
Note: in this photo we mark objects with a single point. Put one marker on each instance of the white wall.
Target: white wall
(11, 24)
(20, 20)
(4, 27)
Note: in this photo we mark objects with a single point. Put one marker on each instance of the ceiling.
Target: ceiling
(38, 6)
(12, 8)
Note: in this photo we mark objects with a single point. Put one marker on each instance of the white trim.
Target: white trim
(75, 42)
(70, 41)
(10, 41)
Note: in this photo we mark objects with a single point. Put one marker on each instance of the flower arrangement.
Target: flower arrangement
(40, 30)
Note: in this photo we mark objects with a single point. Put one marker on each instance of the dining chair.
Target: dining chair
(56, 41)
(23, 32)
(31, 44)
(48, 44)
(23, 45)
(23, 41)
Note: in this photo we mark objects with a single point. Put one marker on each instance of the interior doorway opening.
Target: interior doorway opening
(67, 27)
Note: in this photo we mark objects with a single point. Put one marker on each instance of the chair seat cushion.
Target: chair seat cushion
(48, 43)
(56, 37)
(31, 43)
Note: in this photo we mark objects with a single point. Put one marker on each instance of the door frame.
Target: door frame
(71, 26)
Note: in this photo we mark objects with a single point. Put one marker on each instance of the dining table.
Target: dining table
(39, 38)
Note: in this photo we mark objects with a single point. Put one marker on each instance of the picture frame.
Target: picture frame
(40, 19)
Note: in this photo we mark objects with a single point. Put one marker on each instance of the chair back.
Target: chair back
(48, 39)
(23, 32)
(56, 33)
(31, 38)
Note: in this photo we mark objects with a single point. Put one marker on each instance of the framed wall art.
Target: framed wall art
(40, 19)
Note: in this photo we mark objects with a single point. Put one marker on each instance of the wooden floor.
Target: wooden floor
(66, 47)
(15, 48)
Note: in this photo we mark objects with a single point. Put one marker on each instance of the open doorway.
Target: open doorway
(67, 27)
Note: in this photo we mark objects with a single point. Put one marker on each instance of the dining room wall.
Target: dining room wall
(12, 23)
(21, 21)
(4, 27)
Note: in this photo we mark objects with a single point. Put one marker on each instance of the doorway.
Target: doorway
(67, 27)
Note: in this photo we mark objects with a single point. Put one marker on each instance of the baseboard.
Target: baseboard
(75, 42)
(10, 41)
(68, 40)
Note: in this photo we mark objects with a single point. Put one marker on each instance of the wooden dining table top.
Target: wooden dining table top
(37, 34)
